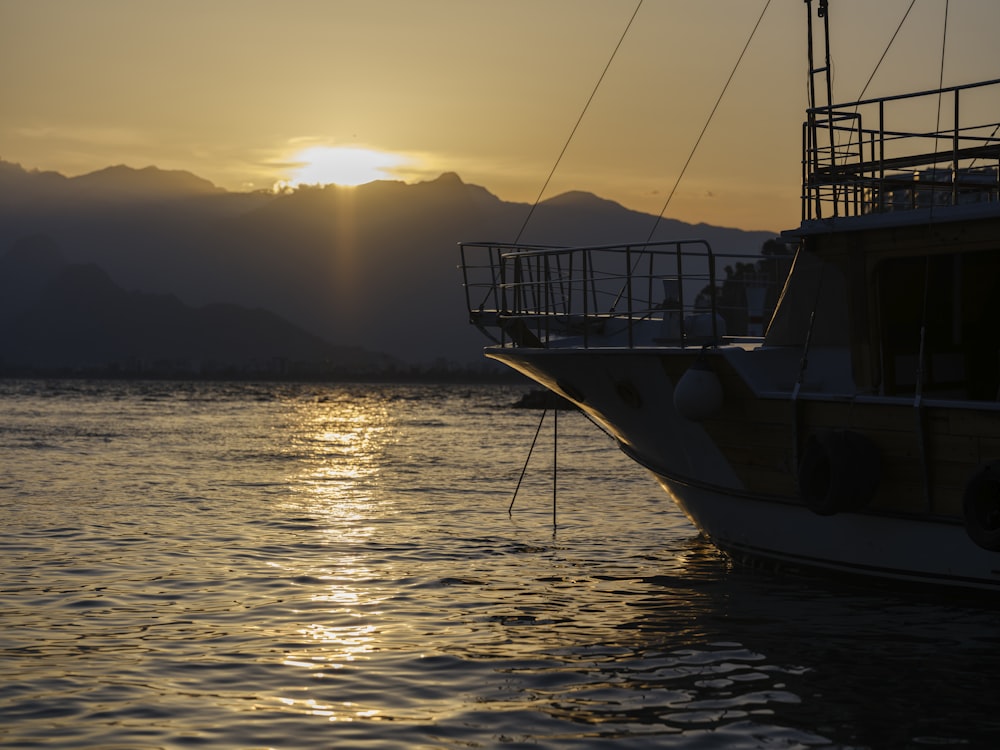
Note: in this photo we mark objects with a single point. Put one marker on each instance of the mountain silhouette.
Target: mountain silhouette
(127, 185)
(373, 266)
(56, 315)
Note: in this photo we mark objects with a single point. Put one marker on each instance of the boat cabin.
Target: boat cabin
(900, 253)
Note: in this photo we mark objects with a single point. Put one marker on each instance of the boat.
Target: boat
(856, 433)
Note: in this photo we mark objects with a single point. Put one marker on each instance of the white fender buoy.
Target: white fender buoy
(698, 394)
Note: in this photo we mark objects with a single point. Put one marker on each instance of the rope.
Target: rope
(701, 135)
(944, 41)
(555, 464)
(804, 366)
(524, 469)
(937, 124)
(850, 138)
(885, 51)
(517, 239)
(555, 448)
(572, 133)
(990, 137)
(707, 122)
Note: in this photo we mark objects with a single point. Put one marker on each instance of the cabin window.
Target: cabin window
(951, 301)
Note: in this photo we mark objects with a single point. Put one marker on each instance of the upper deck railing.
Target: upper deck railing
(618, 295)
(874, 155)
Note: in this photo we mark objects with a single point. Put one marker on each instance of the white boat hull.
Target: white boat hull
(851, 543)
(630, 394)
(833, 401)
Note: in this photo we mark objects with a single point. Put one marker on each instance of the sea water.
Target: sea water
(311, 566)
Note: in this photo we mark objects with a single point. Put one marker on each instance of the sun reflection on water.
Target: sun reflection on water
(339, 443)
(339, 447)
(343, 712)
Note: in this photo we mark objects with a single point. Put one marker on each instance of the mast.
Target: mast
(814, 126)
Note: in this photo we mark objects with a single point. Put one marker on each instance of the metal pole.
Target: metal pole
(824, 13)
(555, 456)
(954, 155)
(628, 287)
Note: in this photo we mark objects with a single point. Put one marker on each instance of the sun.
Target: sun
(342, 165)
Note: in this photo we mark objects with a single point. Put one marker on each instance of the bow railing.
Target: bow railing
(630, 295)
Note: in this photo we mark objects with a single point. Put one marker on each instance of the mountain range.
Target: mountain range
(151, 264)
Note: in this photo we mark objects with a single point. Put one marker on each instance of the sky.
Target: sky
(254, 94)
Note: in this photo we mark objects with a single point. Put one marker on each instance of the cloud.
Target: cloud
(86, 136)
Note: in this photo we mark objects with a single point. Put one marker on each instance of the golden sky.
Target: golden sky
(253, 93)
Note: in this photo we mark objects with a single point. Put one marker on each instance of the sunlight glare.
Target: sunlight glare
(342, 165)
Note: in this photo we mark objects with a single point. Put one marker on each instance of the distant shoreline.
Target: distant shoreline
(415, 375)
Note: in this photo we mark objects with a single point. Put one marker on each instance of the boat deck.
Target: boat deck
(877, 156)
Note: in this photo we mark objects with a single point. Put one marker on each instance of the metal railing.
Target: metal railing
(604, 295)
(866, 157)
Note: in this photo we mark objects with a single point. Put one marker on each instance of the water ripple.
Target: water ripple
(248, 565)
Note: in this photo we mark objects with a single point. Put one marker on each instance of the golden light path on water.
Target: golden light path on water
(375, 603)
(271, 565)
(339, 445)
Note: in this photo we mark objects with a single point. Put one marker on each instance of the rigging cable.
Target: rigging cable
(944, 42)
(860, 96)
(708, 121)
(555, 450)
(885, 52)
(937, 124)
(517, 239)
(572, 133)
(918, 405)
(520, 479)
(892, 39)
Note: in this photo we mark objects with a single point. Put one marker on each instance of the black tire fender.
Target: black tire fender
(839, 472)
(981, 507)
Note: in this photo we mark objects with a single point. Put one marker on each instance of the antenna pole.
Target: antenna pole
(824, 13)
(813, 191)
(812, 54)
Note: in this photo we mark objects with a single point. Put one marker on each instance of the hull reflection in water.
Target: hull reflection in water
(307, 566)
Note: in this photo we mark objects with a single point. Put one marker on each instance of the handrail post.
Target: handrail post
(505, 307)
(545, 296)
(584, 278)
(881, 151)
(628, 291)
(649, 281)
(859, 195)
(712, 294)
(806, 197)
(680, 293)
(565, 286)
(493, 253)
(954, 155)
